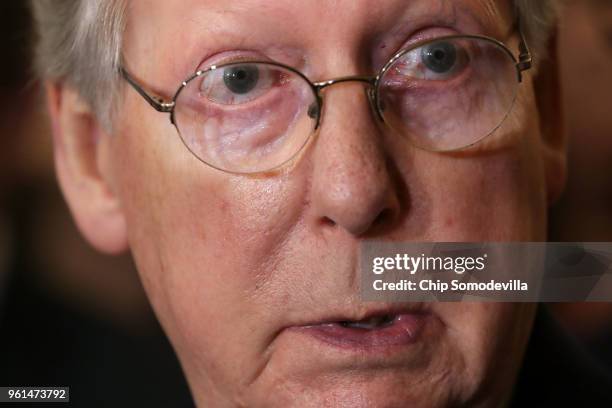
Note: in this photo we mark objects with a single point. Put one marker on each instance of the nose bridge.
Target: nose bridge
(370, 81)
(352, 187)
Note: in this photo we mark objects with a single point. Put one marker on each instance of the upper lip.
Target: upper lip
(364, 312)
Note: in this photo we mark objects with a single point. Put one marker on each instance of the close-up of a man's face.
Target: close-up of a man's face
(254, 275)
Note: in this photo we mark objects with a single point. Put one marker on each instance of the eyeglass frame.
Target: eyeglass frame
(523, 63)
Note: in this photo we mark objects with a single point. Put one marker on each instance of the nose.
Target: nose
(352, 187)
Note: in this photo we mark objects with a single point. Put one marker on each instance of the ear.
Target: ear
(82, 161)
(552, 121)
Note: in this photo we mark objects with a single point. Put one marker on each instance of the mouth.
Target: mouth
(376, 330)
(371, 323)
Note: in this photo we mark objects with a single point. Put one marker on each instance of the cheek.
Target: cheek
(496, 193)
(493, 199)
(486, 358)
(203, 242)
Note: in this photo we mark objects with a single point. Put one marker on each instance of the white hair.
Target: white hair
(80, 41)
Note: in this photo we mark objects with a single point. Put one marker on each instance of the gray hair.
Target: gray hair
(80, 41)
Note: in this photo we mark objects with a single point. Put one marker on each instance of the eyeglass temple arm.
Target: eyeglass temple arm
(525, 59)
(157, 103)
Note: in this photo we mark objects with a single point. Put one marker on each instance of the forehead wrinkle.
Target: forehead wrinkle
(252, 23)
(492, 14)
(204, 26)
(260, 13)
(495, 11)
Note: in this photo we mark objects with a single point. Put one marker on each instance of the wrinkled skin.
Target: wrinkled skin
(231, 263)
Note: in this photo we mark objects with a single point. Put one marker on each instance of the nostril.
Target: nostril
(326, 221)
(384, 218)
(360, 224)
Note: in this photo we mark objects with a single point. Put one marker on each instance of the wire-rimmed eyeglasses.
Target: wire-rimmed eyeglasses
(441, 94)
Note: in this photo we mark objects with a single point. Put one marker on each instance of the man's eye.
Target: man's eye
(440, 57)
(241, 79)
(436, 61)
(239, 84)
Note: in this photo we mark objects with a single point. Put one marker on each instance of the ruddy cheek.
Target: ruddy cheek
(483, 198)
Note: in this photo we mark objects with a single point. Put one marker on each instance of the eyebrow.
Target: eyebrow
(237, 27)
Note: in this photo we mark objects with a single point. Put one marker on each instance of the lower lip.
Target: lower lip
(404, 330)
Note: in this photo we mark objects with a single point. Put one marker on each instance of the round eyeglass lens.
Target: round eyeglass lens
(246, 117)
(450, 93)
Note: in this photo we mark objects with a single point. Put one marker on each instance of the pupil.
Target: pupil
(241, 79)
(439, 57)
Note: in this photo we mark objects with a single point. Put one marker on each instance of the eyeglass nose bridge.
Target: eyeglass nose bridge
(371, 81)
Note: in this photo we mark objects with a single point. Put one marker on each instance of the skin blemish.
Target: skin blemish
(224, 206)
(449, 222)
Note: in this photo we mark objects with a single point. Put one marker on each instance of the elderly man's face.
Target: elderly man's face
(249, 273)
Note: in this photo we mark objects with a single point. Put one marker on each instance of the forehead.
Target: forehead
(186, 31)
(294, 11)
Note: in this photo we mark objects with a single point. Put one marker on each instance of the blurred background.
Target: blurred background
(584, 212)
(70, 316)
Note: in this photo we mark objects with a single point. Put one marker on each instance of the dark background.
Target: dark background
(68, 315)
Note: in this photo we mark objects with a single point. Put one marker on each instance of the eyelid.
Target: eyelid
(421, 34)
(228, 57)
(429, 33)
